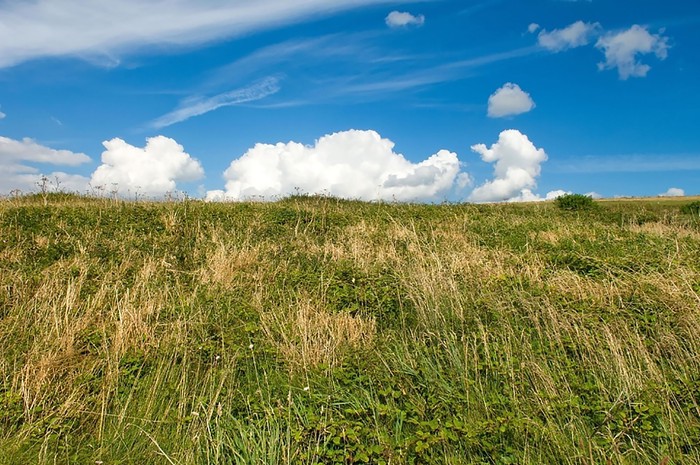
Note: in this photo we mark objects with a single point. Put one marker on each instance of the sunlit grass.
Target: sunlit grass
(316, 330)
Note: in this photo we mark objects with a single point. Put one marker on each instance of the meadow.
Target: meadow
(318, 330)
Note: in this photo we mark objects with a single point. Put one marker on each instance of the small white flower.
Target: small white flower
(306, 388)
(217, 358)
(250, 346)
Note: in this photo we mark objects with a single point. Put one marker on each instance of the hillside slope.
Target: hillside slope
(314, 330)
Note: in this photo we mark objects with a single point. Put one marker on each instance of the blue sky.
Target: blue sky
(479, 101)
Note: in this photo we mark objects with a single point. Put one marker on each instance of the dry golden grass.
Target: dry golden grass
(140, 337)
(230, 263)
(308, 335)
(665, 230)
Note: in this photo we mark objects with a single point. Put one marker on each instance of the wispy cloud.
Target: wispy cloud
(626, 164)
(99, 29)
(335, 67)
(479, 7)
(301, 53)
(436, 74)
(198, 105)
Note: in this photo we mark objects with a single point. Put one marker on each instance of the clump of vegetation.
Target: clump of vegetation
(692, 208)
(574, 202)
(315, 330)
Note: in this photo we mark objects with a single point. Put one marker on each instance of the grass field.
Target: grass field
(316, 330)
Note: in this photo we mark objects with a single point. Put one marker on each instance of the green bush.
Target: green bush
(692, 208)
(574, 202)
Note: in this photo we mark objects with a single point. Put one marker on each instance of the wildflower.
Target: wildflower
(217, 358)
(250, 346)
(306, 388)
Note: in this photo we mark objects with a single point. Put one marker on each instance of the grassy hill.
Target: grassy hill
(315, 330)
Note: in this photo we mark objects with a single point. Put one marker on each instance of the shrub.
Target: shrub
(574, 202)
(692, 208)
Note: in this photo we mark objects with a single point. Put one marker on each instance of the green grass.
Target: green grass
(317, 330)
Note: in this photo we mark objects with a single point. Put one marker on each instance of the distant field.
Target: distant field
(316, 330)
(656, 200)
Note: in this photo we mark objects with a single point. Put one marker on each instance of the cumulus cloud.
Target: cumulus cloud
(516, 168)
(533, 27)
(572, 36)
(673, 192)
(153, 170)
(526, 195)
(403, 19)
(195, 106)
(509, 100)
(350, 164)
(17, 160)
(103, 31)
(622, 48)
(551, 195)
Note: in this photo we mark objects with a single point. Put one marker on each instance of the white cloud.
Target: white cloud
(621, 50)
(509, 100)
(403, 19)
(572, 36)
(195, 106)
(102, 30)
(517, 166)
(2, 115)
(17, 158)
(533, 27)
(350, 164)
(28, 150)
(526, 195)
(56, 181)
(594, 195)
(673, 192)
(625, 163)
(551, 195)
(153, 170)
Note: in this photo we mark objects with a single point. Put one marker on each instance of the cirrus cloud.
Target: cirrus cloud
(196, 106)
(153, 170)
(350, 164)
(103, 31)
(509, 100)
